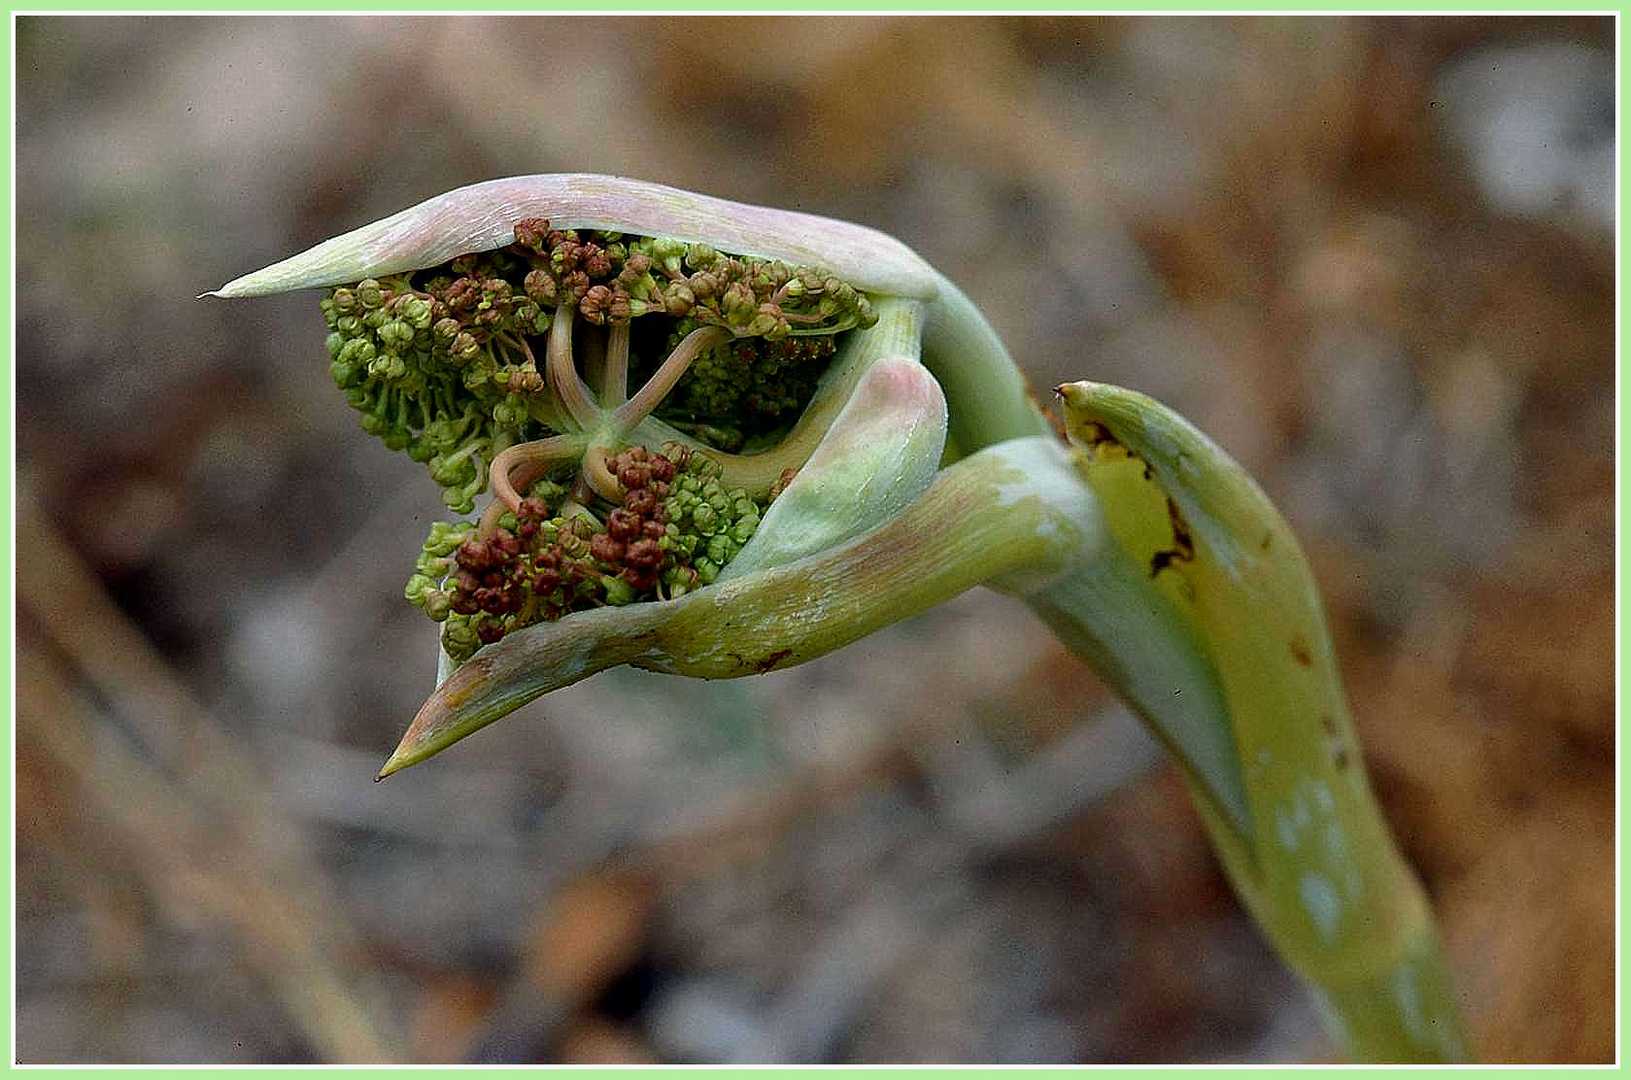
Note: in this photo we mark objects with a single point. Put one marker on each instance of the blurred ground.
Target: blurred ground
(1372, 257)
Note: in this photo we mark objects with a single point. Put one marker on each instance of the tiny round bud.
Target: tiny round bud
(644, 553)
(678, 299)
(618, 591)
(459, 639)
(604, 548)
(622, 525)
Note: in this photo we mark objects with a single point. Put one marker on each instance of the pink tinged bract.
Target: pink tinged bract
(482, 217)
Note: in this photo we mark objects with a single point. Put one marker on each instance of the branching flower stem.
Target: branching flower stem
(628, 415)
(522, 465)
(563, 373)
(615, 389)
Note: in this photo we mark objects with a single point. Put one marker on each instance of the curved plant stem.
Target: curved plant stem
(1312, 858)
(614, 390)
(521, 465)
(597, 476)
(988, 397)
(628, 415)
(562, 374)
(896, 333)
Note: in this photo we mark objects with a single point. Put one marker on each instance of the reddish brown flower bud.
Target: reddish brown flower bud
(634, 475)
(644, 554)
(596, 263)
(532, 234)
(540, 287)
(605, 549)
(475, 555)
(622, 525)
(463, 295)
(641, 501)
(594, 303)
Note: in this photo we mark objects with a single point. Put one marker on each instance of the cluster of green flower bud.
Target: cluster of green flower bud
(707, 523)
(439, 370)
(436, 563)
(745, 386)
(612, 277)
(673, 532)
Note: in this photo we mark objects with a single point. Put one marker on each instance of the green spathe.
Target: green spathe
(879, 455)
(784, 615)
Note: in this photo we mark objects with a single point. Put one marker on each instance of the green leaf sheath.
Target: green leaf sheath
(1316, 863)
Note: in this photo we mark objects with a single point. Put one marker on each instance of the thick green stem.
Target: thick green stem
(988, 398)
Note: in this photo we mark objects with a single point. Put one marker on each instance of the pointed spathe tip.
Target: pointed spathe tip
(394, 764)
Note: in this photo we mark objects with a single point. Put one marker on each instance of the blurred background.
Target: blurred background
(1372, 257)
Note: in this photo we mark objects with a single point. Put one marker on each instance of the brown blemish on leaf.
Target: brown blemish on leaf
(772, 660)
(1183, 542)
(459, 692)
(1268, 541)
(1300, 653)
(1094, 435)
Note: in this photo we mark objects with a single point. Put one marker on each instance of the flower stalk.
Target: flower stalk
(772, 489)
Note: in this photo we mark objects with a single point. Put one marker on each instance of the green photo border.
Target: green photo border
(7, 440)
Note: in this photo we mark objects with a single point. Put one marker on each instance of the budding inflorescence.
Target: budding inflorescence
(440, 369)
(473, 368)
(673, 531)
